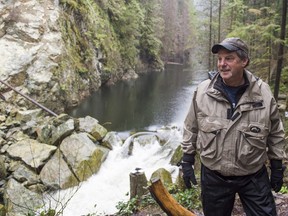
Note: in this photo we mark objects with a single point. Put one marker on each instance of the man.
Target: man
(234, 125)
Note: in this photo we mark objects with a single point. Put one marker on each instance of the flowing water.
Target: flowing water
(101, 192)
(148, 103)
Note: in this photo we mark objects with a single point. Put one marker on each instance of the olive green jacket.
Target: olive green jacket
(238, 145)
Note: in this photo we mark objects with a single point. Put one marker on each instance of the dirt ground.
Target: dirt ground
(280, 199)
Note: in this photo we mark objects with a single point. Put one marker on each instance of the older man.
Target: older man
(234, 124)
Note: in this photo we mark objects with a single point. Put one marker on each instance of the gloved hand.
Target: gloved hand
(277, 172)
(188, 170)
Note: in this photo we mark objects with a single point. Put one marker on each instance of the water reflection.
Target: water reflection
(153, 99)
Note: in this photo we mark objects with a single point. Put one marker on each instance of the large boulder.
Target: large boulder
(25, 175)
(56, 173)
(177, 155)
(76, 160)
(163, 175)
(87, 123)
(20, 201)
(91, 126)
(54, 131)
(82, 155)
(111, 140)
(62, 131)
(31, 152)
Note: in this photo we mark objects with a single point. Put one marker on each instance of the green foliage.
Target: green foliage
(49, 212)
(189, 198)
(127, 208)
(134, 204)
(151, 31)
(259, 25)
(80, 24)
(284, 190)
(284, 81)
(114, 27)
(73, 4)
(147, 200)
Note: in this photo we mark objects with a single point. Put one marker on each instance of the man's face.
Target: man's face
(231, 67)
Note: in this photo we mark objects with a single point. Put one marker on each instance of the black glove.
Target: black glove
(277, 172)
(188, 170)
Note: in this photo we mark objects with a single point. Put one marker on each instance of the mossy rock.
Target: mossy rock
(2, 210)
(163, 175)
(177, 156)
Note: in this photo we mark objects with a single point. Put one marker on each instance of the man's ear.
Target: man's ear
(245, 62)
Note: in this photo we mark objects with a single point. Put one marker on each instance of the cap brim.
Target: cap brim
(215, 49)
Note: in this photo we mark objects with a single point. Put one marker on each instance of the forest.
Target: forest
(59, 52)
(262, 24)
(135, 34)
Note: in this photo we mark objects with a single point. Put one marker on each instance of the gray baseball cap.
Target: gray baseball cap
(231, 44)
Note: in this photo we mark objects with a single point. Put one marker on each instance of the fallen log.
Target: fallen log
(166, 201)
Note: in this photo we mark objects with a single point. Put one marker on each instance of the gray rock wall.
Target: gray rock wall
(34, 56)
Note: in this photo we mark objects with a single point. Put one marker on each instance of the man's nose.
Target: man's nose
(222, 62)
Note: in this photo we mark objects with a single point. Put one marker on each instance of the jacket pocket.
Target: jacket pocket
(251, 144)
(210, 129)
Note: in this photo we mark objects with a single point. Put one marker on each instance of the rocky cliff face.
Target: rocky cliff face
(32, 51)
(58, 52)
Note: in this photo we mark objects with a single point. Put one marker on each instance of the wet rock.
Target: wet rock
(82, 155)
(98, 132)
(111, 140)
(177, 155)
(144, 140)
(76, 160)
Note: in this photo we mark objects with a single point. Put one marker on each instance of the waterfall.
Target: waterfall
(101, 192)
(152, 100)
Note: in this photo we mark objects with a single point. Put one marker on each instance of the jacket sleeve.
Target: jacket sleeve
(276, 137)
(190, 129)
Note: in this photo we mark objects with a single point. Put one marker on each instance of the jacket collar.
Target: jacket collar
(252, 93)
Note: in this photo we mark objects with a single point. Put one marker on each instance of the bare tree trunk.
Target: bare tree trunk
(219, 21)
(210, 37)
(281, 49)
(138, 184)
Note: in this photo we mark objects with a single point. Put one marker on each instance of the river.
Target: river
(154, 99)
